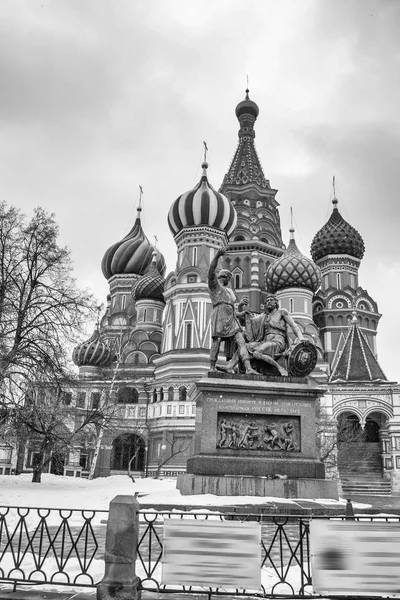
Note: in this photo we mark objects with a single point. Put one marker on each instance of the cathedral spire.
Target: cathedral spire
(245, 167)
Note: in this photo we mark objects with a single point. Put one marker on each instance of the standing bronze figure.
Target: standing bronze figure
(224, 323)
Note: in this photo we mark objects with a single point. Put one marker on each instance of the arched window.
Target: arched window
(182, 394)
(161, 394)
(237, 281)
(128, 395)
(338, 281)
(154, 395)
(125, 448)
(137, 358)
(188, 334)
(291, 305)
(194, 256)
(170, 393)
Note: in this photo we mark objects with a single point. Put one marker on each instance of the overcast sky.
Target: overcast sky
(98, 97)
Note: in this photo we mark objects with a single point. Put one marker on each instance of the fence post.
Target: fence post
(120, 581)
(349, 510)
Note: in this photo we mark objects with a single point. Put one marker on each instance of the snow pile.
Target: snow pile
(68, 492)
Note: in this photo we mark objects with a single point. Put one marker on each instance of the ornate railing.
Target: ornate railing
(66, 547)
(285, 554)
(52, 546)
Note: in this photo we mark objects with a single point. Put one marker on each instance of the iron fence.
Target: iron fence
(66, 547)
(52, 546)
(285, 553)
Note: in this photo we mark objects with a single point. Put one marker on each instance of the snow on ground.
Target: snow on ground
(67, 492)
(71, 493)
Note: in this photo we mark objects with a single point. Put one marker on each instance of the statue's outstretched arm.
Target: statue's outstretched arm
(212, 280)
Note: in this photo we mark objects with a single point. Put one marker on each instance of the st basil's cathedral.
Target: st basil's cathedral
(153, 341)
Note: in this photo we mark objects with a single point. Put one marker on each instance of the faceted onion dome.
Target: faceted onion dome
(132, 254)
(337, 236)
(93, 353)
(247, 106)
(202, 206)
(150, 285)
(293, 269)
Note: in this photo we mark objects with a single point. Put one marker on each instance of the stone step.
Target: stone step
(355, 458)
(367, 484)
(355, 493)
(360, 467)
(360, 478)
(367, 490)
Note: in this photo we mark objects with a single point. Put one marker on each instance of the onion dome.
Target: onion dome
(202, 206)
(150, 285)
(247, 107)
(93, 353)
(293, 269)
(337, 236)
(132, 255)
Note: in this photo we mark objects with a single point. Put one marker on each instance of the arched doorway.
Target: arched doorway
(126, 447)
(374, 424)
(359, 453)
(348, 428)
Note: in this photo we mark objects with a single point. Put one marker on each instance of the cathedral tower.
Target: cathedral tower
(337, 248)
(257, 239)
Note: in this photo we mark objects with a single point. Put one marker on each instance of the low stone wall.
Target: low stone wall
(189, 484)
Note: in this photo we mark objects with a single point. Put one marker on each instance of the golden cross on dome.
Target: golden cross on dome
(140, 198)
(205, 151)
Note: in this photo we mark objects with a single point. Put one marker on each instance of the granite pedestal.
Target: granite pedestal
(256, 436)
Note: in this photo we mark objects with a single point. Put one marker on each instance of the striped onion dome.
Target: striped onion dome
(93, 353)
(337, 236)
(150, 285)
(202, 206)
(132, 255)
(293, 269)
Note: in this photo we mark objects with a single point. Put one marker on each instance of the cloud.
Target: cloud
(99, 97)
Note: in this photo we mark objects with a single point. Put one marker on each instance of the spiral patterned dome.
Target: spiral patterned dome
(132, 254)
(337, 236)
(93, 353)
(150, 285)
(293, 269)
(247, 107)
(202, 206)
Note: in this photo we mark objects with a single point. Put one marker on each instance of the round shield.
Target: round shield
(302, 359)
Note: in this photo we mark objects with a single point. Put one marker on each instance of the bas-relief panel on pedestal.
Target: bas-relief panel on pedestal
(258, 432)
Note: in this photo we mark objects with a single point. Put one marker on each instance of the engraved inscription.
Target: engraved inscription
(257, 432)
(291, 407)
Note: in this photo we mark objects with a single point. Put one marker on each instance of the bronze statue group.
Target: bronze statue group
(262, 341)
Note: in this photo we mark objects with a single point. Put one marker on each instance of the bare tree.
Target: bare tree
(51, 426)
(42, 312)
(173, 447)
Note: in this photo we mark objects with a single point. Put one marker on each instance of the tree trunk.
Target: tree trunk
(96, 453)
(37, 476)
